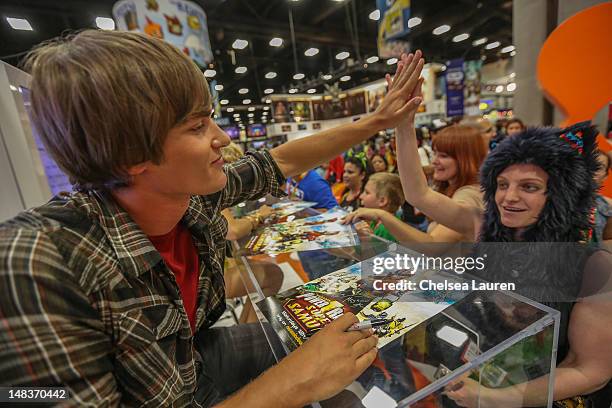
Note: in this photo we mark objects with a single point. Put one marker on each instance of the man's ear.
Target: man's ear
(137, 169)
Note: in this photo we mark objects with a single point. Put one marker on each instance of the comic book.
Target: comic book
(293, 236)
(300, 312)
(284, 209)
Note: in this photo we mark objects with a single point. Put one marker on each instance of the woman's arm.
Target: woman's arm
(442, 209)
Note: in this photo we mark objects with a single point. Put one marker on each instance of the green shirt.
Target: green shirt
(381, 231)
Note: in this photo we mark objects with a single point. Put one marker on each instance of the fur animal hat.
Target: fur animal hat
(568, 156)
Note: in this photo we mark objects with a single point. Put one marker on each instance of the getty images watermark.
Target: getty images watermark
(393, 267)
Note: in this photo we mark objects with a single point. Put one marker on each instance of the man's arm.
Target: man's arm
(300, 155)
(51, 335)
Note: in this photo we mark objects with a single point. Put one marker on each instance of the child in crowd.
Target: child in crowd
(382, 197)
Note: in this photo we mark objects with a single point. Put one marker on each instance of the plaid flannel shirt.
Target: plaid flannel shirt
(87, 302)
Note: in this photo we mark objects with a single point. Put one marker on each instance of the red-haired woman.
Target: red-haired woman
(459, 151)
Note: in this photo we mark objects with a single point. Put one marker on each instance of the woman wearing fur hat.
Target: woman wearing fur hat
(538, 188)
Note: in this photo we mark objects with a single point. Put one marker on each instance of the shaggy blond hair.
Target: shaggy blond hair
(389, 186)
(104, 101)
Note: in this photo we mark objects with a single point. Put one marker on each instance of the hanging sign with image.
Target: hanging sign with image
(392, 27)
(181, 23)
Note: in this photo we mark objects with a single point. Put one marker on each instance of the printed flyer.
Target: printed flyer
(298, 313)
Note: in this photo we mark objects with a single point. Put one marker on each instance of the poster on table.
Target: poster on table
(471, 87)
(281, 238)
(454, 87)
(300, 312)
(181, 23)
(392, 27)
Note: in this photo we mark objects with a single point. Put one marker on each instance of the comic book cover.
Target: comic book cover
(300, 312)
(284, 209)
(292, 237)
(333, 215)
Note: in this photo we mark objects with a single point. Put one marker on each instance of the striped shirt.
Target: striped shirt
(87, 303)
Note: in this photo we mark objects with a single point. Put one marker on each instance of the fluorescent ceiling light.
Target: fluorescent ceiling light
(311, 52)
(251, 108)
(276, 42)
(298, 76)
(251, 121)
(499, 88)
(240, 70)
(250, 115)
(246, 101)
(268, 100)
(327, 77)
(270, 75)
(479, 41)
(392, 61)
(230, 110)
(293, 90)
(266, 108)
(511, 87)
(19, 24)
(105, 23)
(414, 21)
(242, 91)
(345, 78)
(509, 48)
(224, 102)
(492, 45)
(311, 91)
(512, 74)
(372, 59)
(210, 73)
(441, 30)
(461, 37)
(268, 91)
(240, 44)
(342, 55)
(218, 87)
(513, 53)
(375, 15)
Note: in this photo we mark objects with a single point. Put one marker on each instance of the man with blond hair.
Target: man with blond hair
(111, 291)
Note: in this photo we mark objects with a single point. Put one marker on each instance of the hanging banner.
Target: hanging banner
(181, 23)
(454, 87)
(471, 87)
(392, 26)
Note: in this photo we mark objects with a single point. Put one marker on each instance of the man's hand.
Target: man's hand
(404, 93)
(329, 361)
(366, 214)
(264, 211)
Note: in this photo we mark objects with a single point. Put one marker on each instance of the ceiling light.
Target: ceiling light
(509, 48)
(268, 91)
(375, 15)
(250, 115)
(342, 55)
(479, 41)
(246, 101)
(513, 53)
(414, 21)
(345, 78)
(298, 76)
(511, 87)
(240, 70)
(251, 109)
(270, 75)
(327, 77)
(105, 23)
(499, 88)
(230, 110)
(268, 101)
(13, 88)
(443, 68)
(372, 60)
(218, 87)
(392, 61)
(240, 44)
(311, 91)
(19, 24)
(276, 42)
(236, 115)
(441, 30)
(461, 37)
(251, 121)
(266, 108)
(311, 52)
(210, 73)
(492, 45)
(293, 90)
(512, 74)
(223, 101)
(242, 91)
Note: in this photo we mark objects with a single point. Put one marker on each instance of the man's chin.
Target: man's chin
(213, 186)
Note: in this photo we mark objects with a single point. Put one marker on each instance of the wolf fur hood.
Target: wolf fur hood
(569, 158)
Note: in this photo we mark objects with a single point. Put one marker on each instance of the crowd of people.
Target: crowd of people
(112, 291)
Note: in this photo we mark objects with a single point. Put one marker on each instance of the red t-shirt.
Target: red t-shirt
(181, 256)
